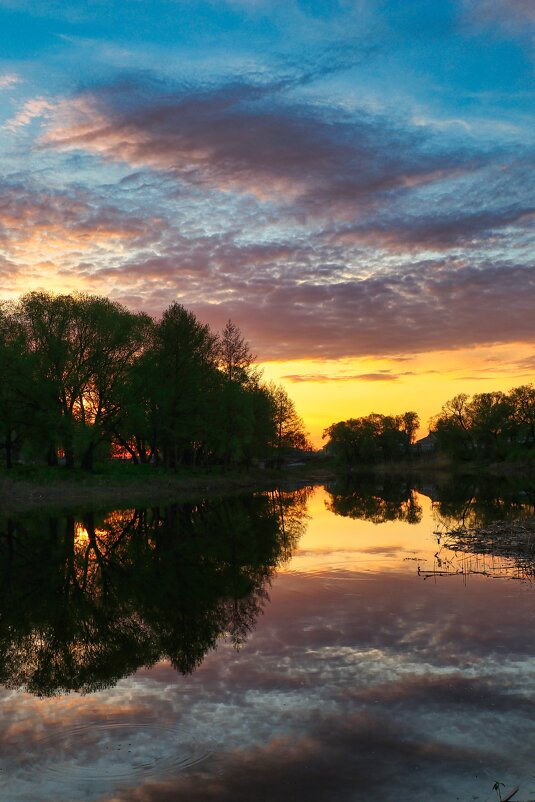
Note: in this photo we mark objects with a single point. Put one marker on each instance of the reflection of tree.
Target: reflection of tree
(290, 507)
(474, 501)
(374, 500)
(86, 600)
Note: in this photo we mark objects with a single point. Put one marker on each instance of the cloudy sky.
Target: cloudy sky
(349, 180)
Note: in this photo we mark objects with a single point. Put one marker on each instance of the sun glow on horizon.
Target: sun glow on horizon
(327, 391)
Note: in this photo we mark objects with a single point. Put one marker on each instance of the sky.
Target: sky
(351, 181)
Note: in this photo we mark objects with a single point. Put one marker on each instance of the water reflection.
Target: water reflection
(482, 524)
(375, 499)
(360, 679)
(458, 500)
(471, 501)
(87, 599)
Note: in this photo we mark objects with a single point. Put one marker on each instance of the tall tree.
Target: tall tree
(82, 346)
(290, 430)
(17, 388)
(184, 360)
(234, 354)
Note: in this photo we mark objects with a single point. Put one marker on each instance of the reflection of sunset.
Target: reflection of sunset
(81, 537)
(349, 544)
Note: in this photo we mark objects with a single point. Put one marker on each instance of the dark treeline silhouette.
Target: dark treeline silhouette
(88, 599)
(374, 438)
(488, 426)
(82, 378)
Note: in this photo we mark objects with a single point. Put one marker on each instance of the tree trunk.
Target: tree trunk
(52, 457)
(9, 450)
(87, 459)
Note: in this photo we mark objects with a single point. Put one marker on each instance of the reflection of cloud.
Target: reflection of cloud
(335, 757)
(374, 682)
(410, 669)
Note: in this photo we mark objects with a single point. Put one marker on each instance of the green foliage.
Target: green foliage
(488, 426)
(374, 438)
(289, 430)
(84, 379)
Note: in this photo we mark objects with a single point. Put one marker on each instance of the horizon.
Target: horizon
(348, 182)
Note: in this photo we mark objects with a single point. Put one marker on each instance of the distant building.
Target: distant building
(426, 444)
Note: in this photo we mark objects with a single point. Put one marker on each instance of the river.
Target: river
(324, 644)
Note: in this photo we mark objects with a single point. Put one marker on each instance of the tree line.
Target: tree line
(494, 425)
(373, 438)
(84, 378)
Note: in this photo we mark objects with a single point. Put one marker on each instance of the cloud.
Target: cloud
(432, 306)
(527, 364)
(9, 79)
(247, 138)
(297, 378)
(36, 222)
(31, 109)
(512, 14)
(456, 226)
(323, 232)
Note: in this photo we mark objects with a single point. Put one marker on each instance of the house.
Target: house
(426, 444)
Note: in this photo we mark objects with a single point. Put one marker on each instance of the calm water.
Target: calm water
(320, 645)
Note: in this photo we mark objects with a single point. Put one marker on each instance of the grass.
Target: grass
(32, 486)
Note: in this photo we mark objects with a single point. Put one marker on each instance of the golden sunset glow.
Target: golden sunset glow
(331, 390)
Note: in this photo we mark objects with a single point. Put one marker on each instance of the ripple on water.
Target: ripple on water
(114, 749)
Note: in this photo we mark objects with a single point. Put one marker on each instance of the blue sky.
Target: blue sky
(346, 180)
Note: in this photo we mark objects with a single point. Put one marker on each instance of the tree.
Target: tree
(82, 347)
(452, 427)
(289, 427)
(184, 358)
(17, 389)
(84, 376)
(234, 355)
(371, 438)
(522, 400)
(410, 423)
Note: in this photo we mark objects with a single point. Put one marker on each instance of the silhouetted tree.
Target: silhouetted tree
(290, 430)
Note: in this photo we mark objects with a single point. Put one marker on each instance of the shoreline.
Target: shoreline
(31, 489)
(23, 494)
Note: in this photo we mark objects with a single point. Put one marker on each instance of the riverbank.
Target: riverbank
(29, 488)
(441, 465)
